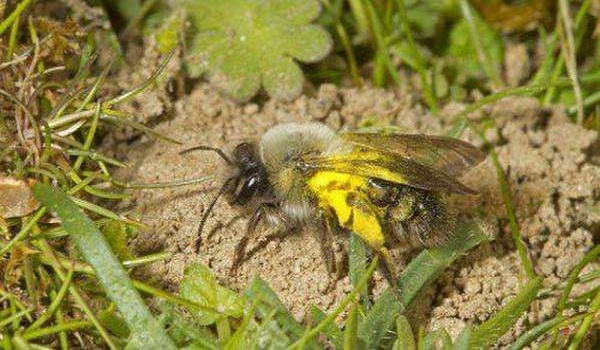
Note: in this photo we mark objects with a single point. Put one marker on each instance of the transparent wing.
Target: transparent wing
(451, 156)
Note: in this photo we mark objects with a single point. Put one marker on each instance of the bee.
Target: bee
(377, 185)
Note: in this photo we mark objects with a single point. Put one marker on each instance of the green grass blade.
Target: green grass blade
(333, 333)
(91, 243)
(405, 340)
(14, 15)
(486, 334)
(589, 257)
(438, 339)
(357, 262)
(311, 333)
(425, 268)
(416, 53)
(462, 342)
(510, 209)
(586, 323)
(55, 303)
(382, 50)
(542, 328)
(350, 330)
(267, 301)
(568, 49)
(484, 59)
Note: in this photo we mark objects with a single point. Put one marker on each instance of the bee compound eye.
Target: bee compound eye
(247, 189)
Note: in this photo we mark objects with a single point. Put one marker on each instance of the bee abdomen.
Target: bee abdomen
(421, 217)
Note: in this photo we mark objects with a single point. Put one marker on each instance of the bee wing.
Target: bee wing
(389, 167)
(451, 156)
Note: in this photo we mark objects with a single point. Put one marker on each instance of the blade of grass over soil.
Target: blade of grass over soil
(350, 329)
(146, 331)
(405, 340)
(267, 302)
(589, 257)
(312, 332)
(332, 332)
(585, 324)
(421, 271)
(486, 334)
(509, 206)
(543, 328)
(357, 262)
(529, 90)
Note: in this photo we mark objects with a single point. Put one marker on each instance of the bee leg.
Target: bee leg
(324, 237)
(387, 267)
(240, 249)
(324, 230)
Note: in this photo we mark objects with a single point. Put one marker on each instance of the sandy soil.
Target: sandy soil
(553, 169)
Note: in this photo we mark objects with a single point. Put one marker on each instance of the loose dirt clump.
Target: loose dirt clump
(553, 180)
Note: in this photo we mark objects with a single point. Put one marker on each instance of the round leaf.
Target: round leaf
(245, 44)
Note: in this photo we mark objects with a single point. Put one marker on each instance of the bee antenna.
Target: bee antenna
(219, 151)
(208, 210)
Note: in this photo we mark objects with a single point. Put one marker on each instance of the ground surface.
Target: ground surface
(549, 162)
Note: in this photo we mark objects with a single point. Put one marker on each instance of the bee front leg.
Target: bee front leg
(387, 267)
(240, 249)
(324, 230)
(324, 233)
(265, 210)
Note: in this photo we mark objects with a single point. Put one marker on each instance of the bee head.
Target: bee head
(251, 178)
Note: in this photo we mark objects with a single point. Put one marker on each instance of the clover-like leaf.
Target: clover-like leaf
(200, 286)
(242, 45)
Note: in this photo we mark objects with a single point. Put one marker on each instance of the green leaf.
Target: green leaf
(116, 235)
(464, 52)
(486, 334)
(146, 331)
(238, 338)
(200, 286)
(253, 335)
(438, 339)
(167, 36)
(405, 339)
(128, 9)
(426, 16)
(425, 268)
(114, 323)
(462, 342)
(245, 44)
(184, 330)
(268, 335)
(268, 305)
(331, 331)
(357, 262)
(350, 329)
(405, 52)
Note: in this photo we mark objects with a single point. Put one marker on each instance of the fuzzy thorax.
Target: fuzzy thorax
(284, 146)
